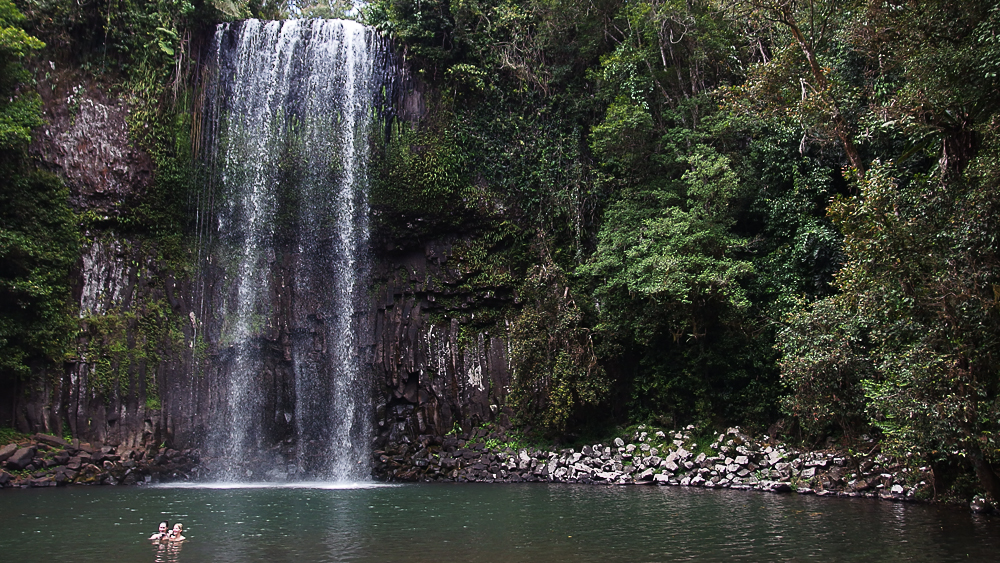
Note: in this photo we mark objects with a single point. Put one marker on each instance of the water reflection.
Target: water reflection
(167, 552)
(486, 523)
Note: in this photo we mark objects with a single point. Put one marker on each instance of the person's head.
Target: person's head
(163, 527)
(178, 528)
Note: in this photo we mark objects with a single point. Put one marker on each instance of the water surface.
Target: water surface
(483, 523)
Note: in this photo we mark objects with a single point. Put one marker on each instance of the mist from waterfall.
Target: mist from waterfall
(289, 115)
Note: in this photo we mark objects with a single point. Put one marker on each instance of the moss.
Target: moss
(40, 244)
(10, 435)
(124, 347)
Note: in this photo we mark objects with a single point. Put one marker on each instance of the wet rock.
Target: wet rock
(781, 487)
(981, 505)
(63, 477)
(42, 482)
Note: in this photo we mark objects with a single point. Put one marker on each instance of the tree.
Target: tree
(38, 239)
(20, 109)
(666, 277)
(804, 69)
(915, 327)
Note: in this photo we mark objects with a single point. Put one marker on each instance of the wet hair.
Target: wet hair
(165, 523)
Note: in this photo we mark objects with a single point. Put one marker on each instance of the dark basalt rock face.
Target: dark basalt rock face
(85, 140)
(436, 372)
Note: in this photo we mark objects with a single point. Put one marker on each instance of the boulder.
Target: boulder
(7, 451)
(980, 505)
(62, 477)
(21, 458)
(781, 487)
(54, 441)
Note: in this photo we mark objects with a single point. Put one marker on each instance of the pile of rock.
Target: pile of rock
(49, 461)
(732, 460)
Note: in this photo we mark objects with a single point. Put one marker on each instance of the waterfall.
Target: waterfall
(289, 114)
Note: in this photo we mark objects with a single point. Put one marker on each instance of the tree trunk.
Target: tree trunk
(840, 126)
(986, 474)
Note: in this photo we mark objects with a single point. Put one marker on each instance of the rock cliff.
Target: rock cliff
(147, 368)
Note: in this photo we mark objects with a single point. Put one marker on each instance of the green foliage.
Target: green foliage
(909, 341)
(9, 435)
(425, 26)
(555, 370)
(38, 238)
(667, 279)
(324, 9)
(422, 172)
(924, 281)
(123, 348)
(824, 362)
(664, 253)
(38, 246)
(20, 109)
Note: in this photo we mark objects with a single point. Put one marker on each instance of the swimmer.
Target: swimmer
(175, 534)
(162, 533)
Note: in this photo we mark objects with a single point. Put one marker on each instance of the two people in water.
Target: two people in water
(165, 534)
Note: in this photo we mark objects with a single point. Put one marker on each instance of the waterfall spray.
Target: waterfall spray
(290, 117)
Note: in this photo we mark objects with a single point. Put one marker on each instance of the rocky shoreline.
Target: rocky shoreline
(50, 461)
(733, 460)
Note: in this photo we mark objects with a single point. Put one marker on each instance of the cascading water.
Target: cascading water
(289, 114)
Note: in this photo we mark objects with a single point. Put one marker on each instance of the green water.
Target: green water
(483, 523)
